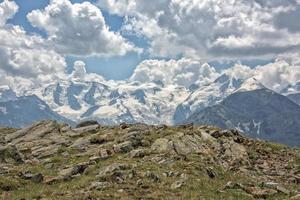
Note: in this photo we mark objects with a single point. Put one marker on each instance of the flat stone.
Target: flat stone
(123, 147)
(260, 193)
(137, 153)
(104, 154)
(37, 178)
(99, 185)
(67, 173)
(162, 145)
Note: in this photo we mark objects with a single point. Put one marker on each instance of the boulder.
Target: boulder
(67, 173)
(162, 145)
(114, 169)
(137, 153)
(234, 150)
(37, 178)
(87, 123)
(10, 154)
(99, 185)
(123, 147)
(104, 154)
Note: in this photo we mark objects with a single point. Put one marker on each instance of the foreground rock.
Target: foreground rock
(143, 162)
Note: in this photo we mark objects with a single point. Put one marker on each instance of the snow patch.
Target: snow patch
(3, 110)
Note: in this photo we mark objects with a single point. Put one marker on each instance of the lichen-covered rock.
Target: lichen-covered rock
(37, 178)
(67, 173)
(10, 154)
(143, 162)
(123, 147)
(162, 145)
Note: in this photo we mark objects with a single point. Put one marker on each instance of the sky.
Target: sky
(149, 40)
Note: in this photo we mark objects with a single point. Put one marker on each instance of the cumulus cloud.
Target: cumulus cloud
(79, 73)
(275, 75)
(190, 28)
(79, 70)
(7, 10)
(183, 72)
(25, 60)
(79, 29)
(278, 75)
(29, 61)
(212, 28)
(239, 71)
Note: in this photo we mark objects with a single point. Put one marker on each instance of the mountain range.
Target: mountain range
(228, 102)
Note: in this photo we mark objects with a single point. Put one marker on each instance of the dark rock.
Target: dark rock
(210, 173)
(37, 178)
(87, 123)
(123, 147)
(124, 126)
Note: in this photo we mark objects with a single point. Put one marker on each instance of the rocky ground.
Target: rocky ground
(50, 160)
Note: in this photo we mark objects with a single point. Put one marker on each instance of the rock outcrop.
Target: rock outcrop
(53, 160)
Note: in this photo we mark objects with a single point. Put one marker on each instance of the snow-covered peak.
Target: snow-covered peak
(114, 102)
(250, 85)
(7, 94)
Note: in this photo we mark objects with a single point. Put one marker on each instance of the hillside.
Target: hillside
(50, 160)
(259, 113)
(23, 111)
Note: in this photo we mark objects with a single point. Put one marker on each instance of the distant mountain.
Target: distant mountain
(259, 113)
(292, 92)
(150, 103)
(212, 94)
(23, 111)
(7, 94)
(219, 103)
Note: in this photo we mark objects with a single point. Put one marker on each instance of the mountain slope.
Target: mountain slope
(260, 113)
(212, 94)
(107, 103)
(292, 92)
(25, 110)
(6, 94)
(55, 161)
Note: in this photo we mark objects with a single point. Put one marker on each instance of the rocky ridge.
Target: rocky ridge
(51, 160)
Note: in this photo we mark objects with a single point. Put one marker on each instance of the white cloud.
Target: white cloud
(79, 70)
(7, 10)
(212, 28)
(25, 61)
(278, 75)
(79, 73)
(275, 75)
(79, 29)
(189, 28)
(183, 72)
(239, 71)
